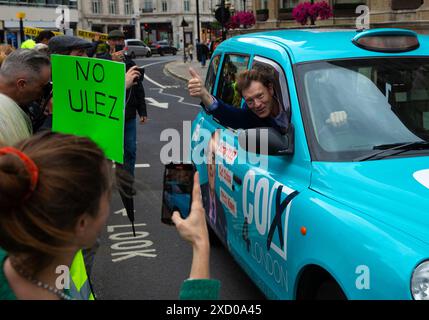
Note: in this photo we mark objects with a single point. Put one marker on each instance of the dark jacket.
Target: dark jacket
(240, 118)
(135, 96)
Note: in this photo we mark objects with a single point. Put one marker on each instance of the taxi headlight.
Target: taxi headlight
(420, 282)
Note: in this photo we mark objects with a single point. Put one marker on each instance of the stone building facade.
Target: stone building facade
(411, 14)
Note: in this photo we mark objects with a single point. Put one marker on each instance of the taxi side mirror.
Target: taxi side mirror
(267, 141)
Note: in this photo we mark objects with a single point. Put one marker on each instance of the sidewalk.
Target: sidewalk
(180, 70)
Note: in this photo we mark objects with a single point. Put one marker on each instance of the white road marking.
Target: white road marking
(161, 91)
(153, 102)
(151, 80)
(122, 211)
(146, 165)
(180, 98)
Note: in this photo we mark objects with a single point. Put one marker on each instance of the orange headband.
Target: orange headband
(30, 166)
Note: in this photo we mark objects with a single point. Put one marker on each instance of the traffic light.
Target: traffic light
(146, 27)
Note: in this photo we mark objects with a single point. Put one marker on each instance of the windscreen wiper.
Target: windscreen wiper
(387, 148)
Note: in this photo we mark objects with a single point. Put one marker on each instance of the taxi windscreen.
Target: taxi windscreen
(353, 107)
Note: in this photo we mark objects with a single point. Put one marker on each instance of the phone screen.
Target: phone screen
(177, 194)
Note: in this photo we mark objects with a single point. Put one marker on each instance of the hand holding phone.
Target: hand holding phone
(194, 228)
(177, 194)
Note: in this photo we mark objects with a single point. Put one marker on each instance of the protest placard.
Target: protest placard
(89, 100)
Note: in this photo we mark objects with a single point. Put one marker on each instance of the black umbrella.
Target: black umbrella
(125, 184)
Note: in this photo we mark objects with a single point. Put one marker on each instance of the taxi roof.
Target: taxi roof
(321, 44)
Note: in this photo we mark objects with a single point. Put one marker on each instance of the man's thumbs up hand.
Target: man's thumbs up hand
(197, 89)
(194, 74)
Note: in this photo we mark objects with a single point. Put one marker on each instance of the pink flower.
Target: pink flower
(241, 18)
(304, 11)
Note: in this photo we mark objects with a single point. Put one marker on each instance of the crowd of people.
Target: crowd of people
(204, 50)
(55, 188)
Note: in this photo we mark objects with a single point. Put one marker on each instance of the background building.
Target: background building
(411, 14)
(162, 19)
(40, 14)
(106, 15)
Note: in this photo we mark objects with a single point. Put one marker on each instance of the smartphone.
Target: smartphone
(141, 70)
(177, 193)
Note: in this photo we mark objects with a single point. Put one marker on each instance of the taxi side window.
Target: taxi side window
(281, 90)
(232, 66)
(211, 73)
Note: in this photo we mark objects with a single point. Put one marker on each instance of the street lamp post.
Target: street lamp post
(198, 21)
(21, 17)
(184, 25)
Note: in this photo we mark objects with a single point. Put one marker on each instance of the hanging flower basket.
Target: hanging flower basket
(306, 11)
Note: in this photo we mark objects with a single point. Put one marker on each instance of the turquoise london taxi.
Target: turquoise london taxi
(338, 206)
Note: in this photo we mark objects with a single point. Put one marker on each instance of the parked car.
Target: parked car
(326, 211)
(163, 47)
(135, 48)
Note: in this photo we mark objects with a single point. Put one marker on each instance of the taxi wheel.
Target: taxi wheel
(317, 284)
(330, 290)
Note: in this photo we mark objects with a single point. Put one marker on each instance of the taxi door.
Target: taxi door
(213, 149)
(265, 187)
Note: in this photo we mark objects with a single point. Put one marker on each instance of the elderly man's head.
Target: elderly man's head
(24, 76)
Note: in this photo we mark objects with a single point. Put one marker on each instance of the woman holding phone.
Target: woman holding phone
(54, 200)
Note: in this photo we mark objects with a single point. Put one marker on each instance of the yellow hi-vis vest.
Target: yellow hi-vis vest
(28, 44)
(80, 288)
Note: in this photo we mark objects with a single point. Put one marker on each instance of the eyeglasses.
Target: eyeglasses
(251, 102)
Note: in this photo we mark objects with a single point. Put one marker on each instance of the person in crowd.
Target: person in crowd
(204, 53)
(25, 76)
(212, 45)
(191, 52)
(41, 111)
(135, 97)
(43, 37)
(50, 210)
(5, 50)
(42, 48)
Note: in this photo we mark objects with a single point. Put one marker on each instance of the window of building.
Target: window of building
(347, 8)
(264, 4)
(187, 6)
(96, 6)
(164, 6)
(406, 4)
(287, 4)
(128, 7)
(113, 6)
(148, 6)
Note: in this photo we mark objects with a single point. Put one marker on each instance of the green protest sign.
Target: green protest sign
(89, 100)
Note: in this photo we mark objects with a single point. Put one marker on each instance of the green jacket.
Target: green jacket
(202, 289)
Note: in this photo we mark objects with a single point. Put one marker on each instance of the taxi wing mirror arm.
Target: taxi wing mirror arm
(268, 141)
